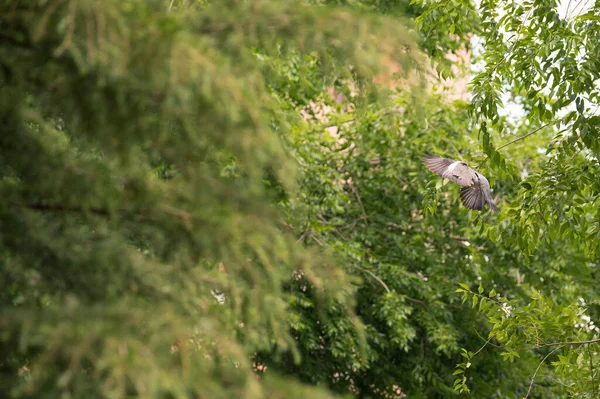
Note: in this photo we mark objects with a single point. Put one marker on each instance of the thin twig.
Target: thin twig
(512, 48)
(302, 236)
(567, 11)
(595, 387)
(516, 140)
(458, 238)
(484, 345)
(574, 155)
(384, 285)
(395, 226)
(354, 119)
(179, 213)
(460, 155)
(566, 343)
(592, 341)
(362, 208)
(488, 341)
(60, 208)
(538, 369)
(335, 229)
(525, 136)
(420, 302)
(70, 30)
(171, 5)
(317, 240)
(289, 226)
(579, 3)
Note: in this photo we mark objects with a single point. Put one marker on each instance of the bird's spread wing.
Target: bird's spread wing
(472, 197)
(455, 171)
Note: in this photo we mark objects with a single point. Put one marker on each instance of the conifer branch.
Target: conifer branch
(5, 39)
(61, 208)
(179, 213)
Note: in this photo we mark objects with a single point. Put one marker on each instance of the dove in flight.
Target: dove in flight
(475, 192)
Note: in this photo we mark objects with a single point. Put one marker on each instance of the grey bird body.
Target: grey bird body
(476, 191)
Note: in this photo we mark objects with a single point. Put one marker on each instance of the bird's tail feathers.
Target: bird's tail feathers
(493, 206)
(472, 198)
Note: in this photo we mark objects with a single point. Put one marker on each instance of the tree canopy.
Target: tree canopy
(225, 199)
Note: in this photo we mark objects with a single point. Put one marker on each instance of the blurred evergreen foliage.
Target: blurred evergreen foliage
(224, 199)
(136, 137)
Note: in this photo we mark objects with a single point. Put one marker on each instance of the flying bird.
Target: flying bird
(475, 192)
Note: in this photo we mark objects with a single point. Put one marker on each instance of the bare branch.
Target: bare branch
(488, 341)
(362, 208)
(592, 341)
(315, 239)
(518, 139)
(420, 302)
(565, 343)
(384, 285)
(512, 48)
(538, 369)
(525, 136)
(484, 345)
(595, 395)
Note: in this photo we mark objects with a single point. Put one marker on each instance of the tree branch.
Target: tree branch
(362, 208)
(60, 208)
(488, 341)
(512, 48)
(592, 373)
(420, 302)
(565, 343)
(538, 369)
(384, 285)
(592, 341)
(525, 136)
(517, 139)
(185, 216)
(484, 345)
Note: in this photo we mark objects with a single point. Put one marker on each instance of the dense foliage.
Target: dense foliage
(543, 56)
(225, 199)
